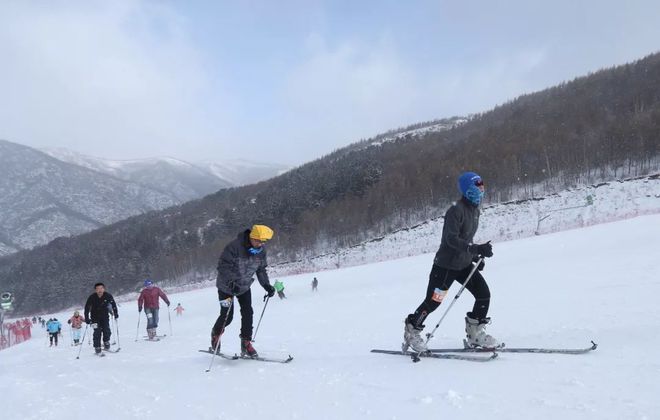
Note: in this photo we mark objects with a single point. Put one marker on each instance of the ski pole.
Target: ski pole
(71, 334)
(137, 332)
(415, 356)
(169, 318)
(266, 299)
(117, 328)
(83, 340)
(217, 345)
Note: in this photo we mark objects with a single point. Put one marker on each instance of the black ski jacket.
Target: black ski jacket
(461, 223)
(99, 308)
(237, 267)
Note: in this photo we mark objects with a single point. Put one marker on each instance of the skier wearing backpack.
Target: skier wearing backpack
(98, 309)
(453, 262)
(76, 322)
(149, 297)
(240, 260)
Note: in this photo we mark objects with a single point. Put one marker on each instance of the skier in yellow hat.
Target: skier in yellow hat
(241, 259)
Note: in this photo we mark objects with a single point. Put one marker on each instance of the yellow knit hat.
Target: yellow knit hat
(261, 233)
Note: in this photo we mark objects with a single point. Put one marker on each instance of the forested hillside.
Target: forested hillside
(599, 127)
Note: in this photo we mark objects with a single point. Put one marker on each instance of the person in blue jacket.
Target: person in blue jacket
(54, 328)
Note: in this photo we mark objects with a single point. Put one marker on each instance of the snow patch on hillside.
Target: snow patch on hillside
(501, 222)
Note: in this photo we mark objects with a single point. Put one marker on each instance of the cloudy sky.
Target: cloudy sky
(286, 81)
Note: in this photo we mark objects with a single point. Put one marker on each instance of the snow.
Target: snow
(559, 289)
(418, 133)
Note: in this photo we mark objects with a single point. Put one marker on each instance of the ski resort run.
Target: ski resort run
(558, 290)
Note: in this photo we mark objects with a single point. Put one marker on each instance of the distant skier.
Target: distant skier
(76, 322)
(54, 328)
(149, 297)
(43, 323)
(179, 309)
(239, 261)
(279, 288)
(98, 309)
(453, 262)
(315, 285)
(34, 320)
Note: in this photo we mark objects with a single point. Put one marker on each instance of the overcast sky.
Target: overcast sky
(286, 81)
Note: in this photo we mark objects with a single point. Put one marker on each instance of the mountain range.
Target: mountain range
(56, 192)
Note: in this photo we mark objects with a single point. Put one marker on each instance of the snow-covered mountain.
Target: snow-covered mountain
(239, 172)
(185, 180)
(42, 198)
(181, 179)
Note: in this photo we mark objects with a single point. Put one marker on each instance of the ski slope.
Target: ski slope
(557, 290)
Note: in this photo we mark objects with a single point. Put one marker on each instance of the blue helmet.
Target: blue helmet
(468, 185)
(148, 283)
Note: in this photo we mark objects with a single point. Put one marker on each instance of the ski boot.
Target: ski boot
(97, 351)
(247, 350)
(106, 345)
(412, 337)
(475, 329)
(151, 333)
(215, 340)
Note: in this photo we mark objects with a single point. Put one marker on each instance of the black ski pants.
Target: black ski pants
(227, 313)
(53, 336)
(440, 280)
(102, 328)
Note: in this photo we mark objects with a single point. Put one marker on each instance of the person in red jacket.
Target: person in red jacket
(76, 322)
(149, 297)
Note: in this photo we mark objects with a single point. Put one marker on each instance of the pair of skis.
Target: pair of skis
(464, 353)
(156, 338)
(258, 358)
(104, 351)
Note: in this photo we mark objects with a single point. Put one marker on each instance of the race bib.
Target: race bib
(438, 295)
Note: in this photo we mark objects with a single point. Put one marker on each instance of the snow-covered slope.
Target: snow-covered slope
(417, 132)
(560, 289)
(569, 209)
(42, 198)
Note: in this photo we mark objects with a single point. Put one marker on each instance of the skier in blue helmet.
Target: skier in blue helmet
(453, 262)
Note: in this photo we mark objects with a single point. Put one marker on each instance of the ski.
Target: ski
(469, 358)
(111, 351)
(158, 336)
(224, 356)
(151, 339)
(99, 354)
(267, 359)
(518, 350)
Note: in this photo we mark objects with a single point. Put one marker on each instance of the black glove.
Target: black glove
(481, 265)
(116, 316)
(88, 321)
(270, 290)
(485, 250)
(235, 289)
